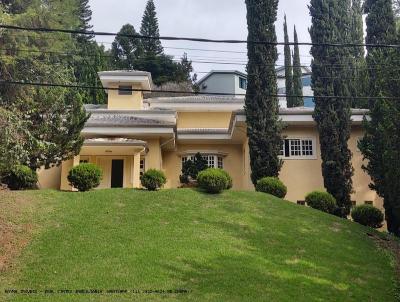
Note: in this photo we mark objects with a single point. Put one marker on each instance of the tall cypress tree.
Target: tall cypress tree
(360, 77)
(330, 21)
(151, 47)
(381, 142)
(288, 68)
(297, 74)
(262, 107)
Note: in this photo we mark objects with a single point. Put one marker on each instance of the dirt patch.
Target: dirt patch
(15, 231)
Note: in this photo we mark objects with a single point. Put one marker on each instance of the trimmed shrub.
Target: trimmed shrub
(272, 185)
(367, 215)
(85, 177)
(191, 168)
(213, 180)
(229, 184)
(153, 179)
(20, 178)
(322, 201)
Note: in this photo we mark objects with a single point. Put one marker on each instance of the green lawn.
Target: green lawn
(238, 246)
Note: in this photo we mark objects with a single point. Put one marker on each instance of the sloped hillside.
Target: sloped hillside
(183, 245)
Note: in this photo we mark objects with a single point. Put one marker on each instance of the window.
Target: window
(124, 90)
(142, 166)
(84, 160)
(213, 161)
(242, 83)
(298, 148)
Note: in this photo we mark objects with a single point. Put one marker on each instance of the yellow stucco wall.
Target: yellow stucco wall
(172, 162)
(49, 178)
(203, 119)
(133, 102)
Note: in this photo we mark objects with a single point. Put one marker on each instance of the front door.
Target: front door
(117, 173)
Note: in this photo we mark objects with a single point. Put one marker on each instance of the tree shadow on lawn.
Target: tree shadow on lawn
(263, 263)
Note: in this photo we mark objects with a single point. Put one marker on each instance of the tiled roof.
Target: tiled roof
(124, 120)
(114, 141)
(203, 131)
(198, 99)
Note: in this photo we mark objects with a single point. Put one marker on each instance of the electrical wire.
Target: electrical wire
(7, 82)
(170, 38)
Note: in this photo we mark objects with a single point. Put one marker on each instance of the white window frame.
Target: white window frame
(244, 81)
(213, 160)
(142, 166)
(301, 150)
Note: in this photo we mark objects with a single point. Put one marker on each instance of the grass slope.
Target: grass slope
(238, 246)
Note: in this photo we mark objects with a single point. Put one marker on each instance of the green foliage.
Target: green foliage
(20, 178)
(85, 177)
(381, 142)
(153, 179)
(262, 108)
(359, 86)
(322, 201)
(288, 67)
(53, 117)
(191, 168)
(273, 186)
(213, 180)
(367, 215)
(229, 184)
(298, 101)
(330, 21)
(149, 27)
(14, 139)
(124, 50)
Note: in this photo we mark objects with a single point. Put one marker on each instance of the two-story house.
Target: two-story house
(131, 134)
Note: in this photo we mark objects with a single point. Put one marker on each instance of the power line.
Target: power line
(170, 38)
(6, 82)
(201, 61)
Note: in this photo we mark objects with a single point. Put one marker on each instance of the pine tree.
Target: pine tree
(360, 75)
(298, 101)
(125, 50)
(330, 21)
(262, 108)
(85, 16)
(151, 47)
(288, 68)
(381, 142)
(91, 57)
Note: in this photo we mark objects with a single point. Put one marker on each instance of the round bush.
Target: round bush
(229, 184)
(367, 215)
(85, 177)
(272, 185)
(322, 201)
(153, 179)
(20, 178)
(212, 180)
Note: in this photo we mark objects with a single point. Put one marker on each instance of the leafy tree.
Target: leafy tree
(360, 76)
(288, 68)
(53, 117)
(298, 101)
(126, 50)
(330, 19)
(381, 142)
(151, 47)
(14, 138)
(262, 107)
